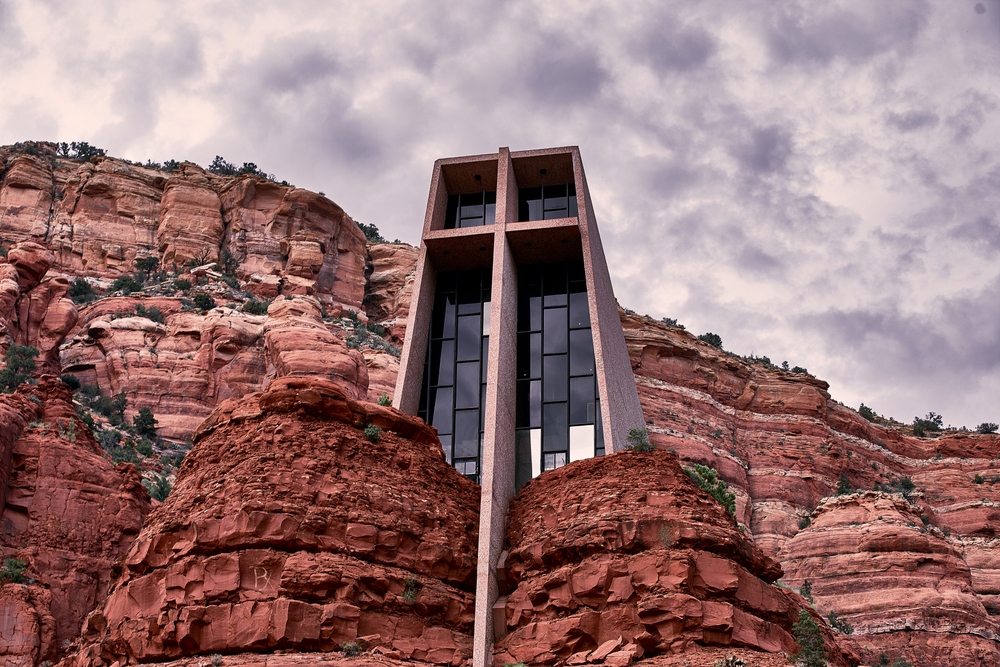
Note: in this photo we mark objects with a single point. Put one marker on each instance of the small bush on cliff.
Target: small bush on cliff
(729, 661)
(182, 284)
(411, 590)
(71, 381)
(931, 423)
(672, 323)
(987, 427)
(79, 150)
(152, 313)
(204, 301)
(159, 487)
(373, 433)
(844, 485)
(145, 266)
(806, 590)
(126, 285)
(353, 648)
(20, 363)
(12, 571)
(384, 400)
(839, 624)
(810, 640)
(805, 522)
(81, 291)
(371, 233)
(255, 307)
(708, 480)
(715, 340)
(145, 423)
(866, 412)
(637, 440)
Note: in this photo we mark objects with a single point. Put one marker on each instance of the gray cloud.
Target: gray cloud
(908, 121)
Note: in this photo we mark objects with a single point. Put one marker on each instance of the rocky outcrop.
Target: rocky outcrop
(102, 215)
(624, 554)
(70, 515)
(288, 529)
(34, 309)
(871, 559)
(192, 361)
(392, 270)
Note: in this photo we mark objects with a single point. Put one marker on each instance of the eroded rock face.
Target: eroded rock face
(34, 309)
(871, 559)
(70, 515)
(626, 546)
(102, 215)
(288, 529)
(390, 285)
(182, 368)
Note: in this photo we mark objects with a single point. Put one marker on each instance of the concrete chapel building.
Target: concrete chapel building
(514, 349)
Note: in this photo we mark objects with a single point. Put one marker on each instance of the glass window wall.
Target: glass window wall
(474, 209)
(547, 202)
(453, 394)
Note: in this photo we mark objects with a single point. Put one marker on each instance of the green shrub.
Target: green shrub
(204, 301)
(109, 439)
(371, 233)
(839, 624)
(70, 380)
(20, 363)
(255, 307)
(637, 440)
(810, 640)
(806, 590)
(126, 285)
(182, 284)
(844, 485)
(353, 648)
(411, 590)
(384, 400)
(715, 340)
(81, 291)
(144, 447)
(978, 479)
(373, 433)
(931, 423)
(987, 427)
(672, 323)
(866, 412)
(13, 571)
(805, 522)
(159, 487)
(145, 266)
(79, 150)
(145, 422)
(708, 480)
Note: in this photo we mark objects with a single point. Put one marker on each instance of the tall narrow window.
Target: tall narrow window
(557, 411)
(452, 397)
(471, 210)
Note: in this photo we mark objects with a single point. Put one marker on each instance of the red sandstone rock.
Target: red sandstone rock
(390, 285)
(626, 550)
(70, 514)
(287, 529)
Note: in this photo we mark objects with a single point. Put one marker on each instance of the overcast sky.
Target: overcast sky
(814, 181)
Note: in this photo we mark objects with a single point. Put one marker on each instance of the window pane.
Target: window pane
(530, 207)
(535, 404)
(581, 352)
(581, 400)
(522, 458)
(529, 275)
(555, 332)
(446, 446)
(572, 212)
(486, 356)
(482, 409)
(553, 461)
(468, 287)
(451, 217)
(529, 308)
(581, 442)
(466, 433)
(467, 385)
(491, 214)
(535, 347)
(555, 213)
(441, 402)
(579, 311)
(555, 377)
(468, 337)
(443, 318)
(487, 311)
(554, 278)
(552, 191)
(555, 428)
(442, 362)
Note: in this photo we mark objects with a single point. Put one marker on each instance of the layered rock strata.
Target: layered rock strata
(70, 515)
(623, 553)
(289, 530)
(100, 216)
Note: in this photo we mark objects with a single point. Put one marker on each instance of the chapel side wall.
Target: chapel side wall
(620, 408)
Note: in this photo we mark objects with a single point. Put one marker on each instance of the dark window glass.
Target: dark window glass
(486, 356)
(555, 377)
(451, 217)
(579, 311)
(523, 409)
(467, 385)
(599, 427)
(529, 275)
(469, 337)
(581, 352)
(555, 427)
(446, 445)
(466, 433)
(522, 458)
(482, 407)
(535, 347)
(469, 291)
(529, 355)
(441, 408)
(555, 333)
(491, 208)
(530, 204)
(442, 362)
(535, 404)
(554, 281)
(581, 400)
(443, 317)
(529, 309)
(576, 277)
(572, 201)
